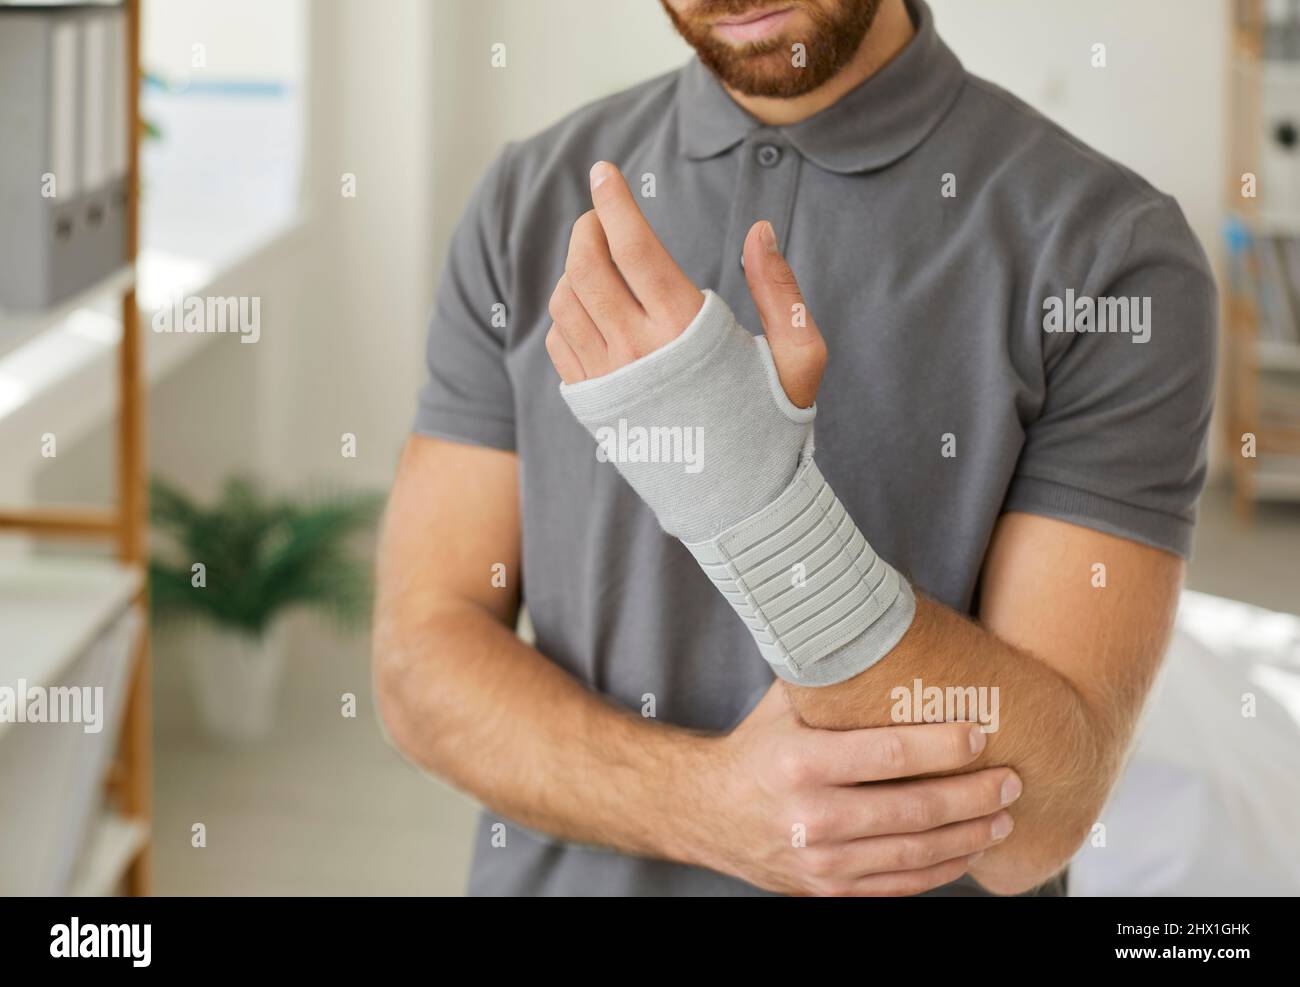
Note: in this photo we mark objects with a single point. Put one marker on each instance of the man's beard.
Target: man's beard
(767, 68)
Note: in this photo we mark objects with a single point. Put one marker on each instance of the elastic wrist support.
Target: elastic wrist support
(703, 431)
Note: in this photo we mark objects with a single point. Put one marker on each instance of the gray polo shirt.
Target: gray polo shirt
(947, 238)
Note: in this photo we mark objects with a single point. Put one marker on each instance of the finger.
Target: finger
(909, 882)
(848, 757)
(565, 361)
(918, 851)
(915, 806)
(591, 273)
(578, 330)
(798, 348)
(666, 293)
(841, 815)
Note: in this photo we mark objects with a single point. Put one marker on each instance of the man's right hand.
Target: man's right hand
(798, 810)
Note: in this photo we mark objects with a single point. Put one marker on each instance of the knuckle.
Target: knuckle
(792, 767)
(579, 267)
(824, 820)
(577, 340)
(584, 227)
(818, 863)
(580, 261)
(783, 276)
(908, 884)
(909, 852)
(818, 355)
(636, 251)
(919, 811)
(657, 279)
(559, 301)
(630, 349)
(891, 753)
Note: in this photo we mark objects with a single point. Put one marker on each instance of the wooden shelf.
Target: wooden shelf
(70, 522)
(1277, 479)
(52, 609)
(1274, 473)
(1277, 356)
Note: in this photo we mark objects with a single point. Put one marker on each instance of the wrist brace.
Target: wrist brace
(703, 431)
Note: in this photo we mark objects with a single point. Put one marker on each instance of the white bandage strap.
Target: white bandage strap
(815, 596)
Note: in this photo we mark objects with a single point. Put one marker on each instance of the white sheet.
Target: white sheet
(1209, 803)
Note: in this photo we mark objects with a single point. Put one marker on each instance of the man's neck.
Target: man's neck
(890, 32)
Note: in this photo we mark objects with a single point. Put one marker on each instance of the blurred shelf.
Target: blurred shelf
(1277, 478)
(52, 609)
(17, 328)
(110, 847)
(1277, 356)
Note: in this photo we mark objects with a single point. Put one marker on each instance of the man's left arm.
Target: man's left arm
(1071, 664)
(1112, 463)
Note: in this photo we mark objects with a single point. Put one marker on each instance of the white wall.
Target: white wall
(355, 360)
(560, 55)
(1157, 106)
(241, 39)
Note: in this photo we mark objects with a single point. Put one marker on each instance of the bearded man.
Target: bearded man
(907, 485)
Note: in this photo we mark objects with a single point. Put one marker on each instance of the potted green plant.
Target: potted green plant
(232, 569)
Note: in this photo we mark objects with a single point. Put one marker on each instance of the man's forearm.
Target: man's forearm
(1046, 731)
(466, 699)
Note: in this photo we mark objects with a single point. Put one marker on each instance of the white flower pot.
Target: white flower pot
(236, 680)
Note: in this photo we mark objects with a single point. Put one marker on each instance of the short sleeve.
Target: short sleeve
(467, 396)
(1119, 443)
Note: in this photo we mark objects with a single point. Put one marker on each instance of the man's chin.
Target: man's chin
(769, 75)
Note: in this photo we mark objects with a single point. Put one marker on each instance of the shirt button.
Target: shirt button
(768, 155)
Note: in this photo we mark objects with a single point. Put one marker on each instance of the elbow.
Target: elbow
(1064, 796)
(1048, 834)
(393, 716)
(1014, 870)
(405, 726)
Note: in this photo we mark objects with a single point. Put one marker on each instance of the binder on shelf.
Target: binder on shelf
(63, 194)
(1277, 312)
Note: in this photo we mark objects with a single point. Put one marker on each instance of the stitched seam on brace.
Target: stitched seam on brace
(844, 634)
(767, 627)
(845, 546)
(739, 579)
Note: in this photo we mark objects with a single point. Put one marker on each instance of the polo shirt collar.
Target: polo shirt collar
(870, 127)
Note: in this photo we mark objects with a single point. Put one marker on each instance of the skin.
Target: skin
(887, 810)
(463, 697)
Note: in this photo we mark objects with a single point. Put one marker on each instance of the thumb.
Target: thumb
(796, 343)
